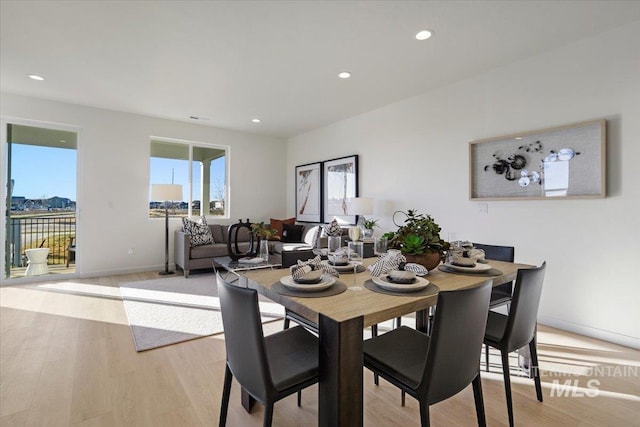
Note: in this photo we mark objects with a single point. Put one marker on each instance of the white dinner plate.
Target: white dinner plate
(326, 282)
(384, 283)
(478, 268)
(347, 267)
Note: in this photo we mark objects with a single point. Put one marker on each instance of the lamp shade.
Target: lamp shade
(166, 192)
(361, 206)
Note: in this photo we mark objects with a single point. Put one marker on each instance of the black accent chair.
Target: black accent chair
(268, 368)
(501, 294)
(509, 333)
(434, 368)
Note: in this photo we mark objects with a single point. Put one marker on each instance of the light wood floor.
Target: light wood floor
(67, 359)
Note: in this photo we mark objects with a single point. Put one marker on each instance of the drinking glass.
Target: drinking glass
(334, 243)
(380, 246)
(356, 254)
(354, 233)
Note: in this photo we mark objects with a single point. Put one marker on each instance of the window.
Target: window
(200, 169)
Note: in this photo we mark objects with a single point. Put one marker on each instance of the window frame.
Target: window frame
(191, 145)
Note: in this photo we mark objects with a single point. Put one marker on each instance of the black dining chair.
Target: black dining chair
(501, 294)
(434, 368)
(268, 368)
(518, 329)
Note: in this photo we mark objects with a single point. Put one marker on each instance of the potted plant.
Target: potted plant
(418, 238)
(264, 233)
(367, 227)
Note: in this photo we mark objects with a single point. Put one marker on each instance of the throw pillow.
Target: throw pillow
(278, 223)
(199, 231)
(292, 233)
(312, 238)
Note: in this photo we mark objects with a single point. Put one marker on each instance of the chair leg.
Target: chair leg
(477, 396)
(398, 322)
(486, 357)
(268, 415)
(403, 398)
(299, 397)
(287, 322)
(374, 333)
(226, 391)
(536, 368)
(424, 414)
(507, 384)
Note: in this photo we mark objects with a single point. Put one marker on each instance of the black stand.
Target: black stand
(166, 241)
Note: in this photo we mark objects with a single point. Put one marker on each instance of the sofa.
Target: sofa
(188, 257)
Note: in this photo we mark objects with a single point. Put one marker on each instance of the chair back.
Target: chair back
(499, 253)
(453, 358)
(244, 339)
(523, 315)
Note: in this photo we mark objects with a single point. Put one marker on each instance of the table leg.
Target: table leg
(340, 388)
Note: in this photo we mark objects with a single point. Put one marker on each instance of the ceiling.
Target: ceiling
(229, 62)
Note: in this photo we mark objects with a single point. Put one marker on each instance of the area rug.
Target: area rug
(172, 310)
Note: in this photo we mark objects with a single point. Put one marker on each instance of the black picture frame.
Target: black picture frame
(309, 192)
(340, 185)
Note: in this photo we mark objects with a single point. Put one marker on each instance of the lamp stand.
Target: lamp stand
(166, 241)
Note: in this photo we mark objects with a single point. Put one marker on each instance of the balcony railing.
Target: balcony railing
(51, 230)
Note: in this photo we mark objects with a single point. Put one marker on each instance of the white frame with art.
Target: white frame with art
(340, 181)
(308, 192)
(564, 162)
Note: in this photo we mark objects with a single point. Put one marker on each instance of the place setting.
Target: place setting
(392, 275)
(468, 260)
(310, 279)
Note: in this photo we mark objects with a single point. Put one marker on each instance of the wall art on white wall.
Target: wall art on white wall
(561, 162)
(308, 192)
(340, 187)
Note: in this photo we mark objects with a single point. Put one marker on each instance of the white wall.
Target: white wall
(113, 193)
(414, 154)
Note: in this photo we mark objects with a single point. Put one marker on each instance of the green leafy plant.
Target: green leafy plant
(370, 224)
(418, 234)
(262, 230)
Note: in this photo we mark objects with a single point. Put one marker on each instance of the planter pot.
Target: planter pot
(429, 260)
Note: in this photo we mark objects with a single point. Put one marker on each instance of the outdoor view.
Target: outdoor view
(169, 164)
(41, 177)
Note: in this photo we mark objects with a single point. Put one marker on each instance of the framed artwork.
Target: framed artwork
(340, 178)
(308, 192)
(561, 162)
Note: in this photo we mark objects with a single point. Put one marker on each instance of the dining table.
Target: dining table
(341, 319)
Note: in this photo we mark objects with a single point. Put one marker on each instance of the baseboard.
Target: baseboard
(601, 334)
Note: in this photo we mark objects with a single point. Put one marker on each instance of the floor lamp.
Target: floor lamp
(166, 193)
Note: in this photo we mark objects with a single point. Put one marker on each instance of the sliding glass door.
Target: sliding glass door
(40, 199)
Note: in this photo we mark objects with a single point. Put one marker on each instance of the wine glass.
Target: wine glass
(356, 255)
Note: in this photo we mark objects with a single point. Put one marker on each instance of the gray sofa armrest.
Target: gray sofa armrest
(182, 250)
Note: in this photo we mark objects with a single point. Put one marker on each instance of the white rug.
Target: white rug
(171, 310)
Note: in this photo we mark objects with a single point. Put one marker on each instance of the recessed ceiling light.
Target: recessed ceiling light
(518, 137)
(63, 140)
(36, 77)
(344, 75)
(255, 120)
(424, 34)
